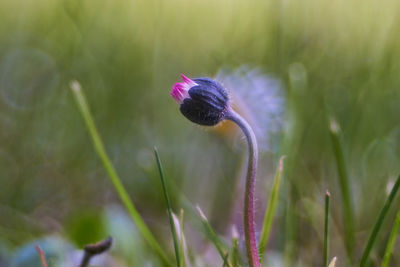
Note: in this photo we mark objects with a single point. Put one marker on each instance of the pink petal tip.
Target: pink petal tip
(186, 79)
(180, 90)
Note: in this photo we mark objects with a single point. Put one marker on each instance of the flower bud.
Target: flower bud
(202, 100)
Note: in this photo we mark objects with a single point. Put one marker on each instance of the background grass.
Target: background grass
(335, 59)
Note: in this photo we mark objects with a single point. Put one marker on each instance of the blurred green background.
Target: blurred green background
(336, 60)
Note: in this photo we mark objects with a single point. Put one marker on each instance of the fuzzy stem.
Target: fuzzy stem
(41, 255)
(249, 229)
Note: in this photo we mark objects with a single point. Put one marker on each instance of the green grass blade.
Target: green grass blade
(184, 254)
(214, 238)
(392, 240)
(348, 209)
(99, 147)
(235, 248)
(185, 259)
(379, 222)
(171, 220)
(270, 211)
(326, 228)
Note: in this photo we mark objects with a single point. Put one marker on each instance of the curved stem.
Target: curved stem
(249, 228)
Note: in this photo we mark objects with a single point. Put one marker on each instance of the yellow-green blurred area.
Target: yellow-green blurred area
(336, 60)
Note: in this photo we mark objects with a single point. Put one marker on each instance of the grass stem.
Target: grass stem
(99, 147)
(326, 228)
(171, 220)
(270, 211)
(379, 223)
(392, 240)
(214, 238)
(235, 248)
(348, 216)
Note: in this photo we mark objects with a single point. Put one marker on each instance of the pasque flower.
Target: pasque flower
(202, 100)
(206, 102)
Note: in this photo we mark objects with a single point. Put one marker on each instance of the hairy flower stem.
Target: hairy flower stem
(249, 231)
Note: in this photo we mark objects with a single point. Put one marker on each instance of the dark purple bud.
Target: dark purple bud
(202, 100)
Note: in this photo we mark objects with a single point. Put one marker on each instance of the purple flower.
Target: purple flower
(202, 100)
(206, 102)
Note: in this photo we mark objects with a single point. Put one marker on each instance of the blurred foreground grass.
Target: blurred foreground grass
(336, 59)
